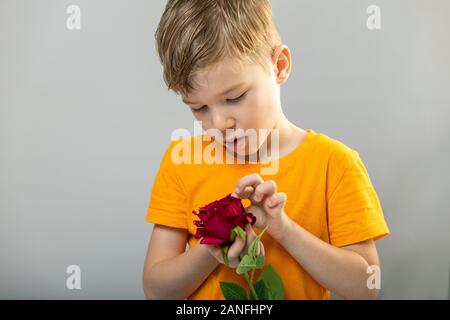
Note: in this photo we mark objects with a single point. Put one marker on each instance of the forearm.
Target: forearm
(342, 271)
(179, 277)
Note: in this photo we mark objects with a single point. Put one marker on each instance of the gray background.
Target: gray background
(85, 118)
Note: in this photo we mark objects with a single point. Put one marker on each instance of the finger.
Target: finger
(216, 252)
(250, 232)
(213, 249)
(277, 199)
(260, 214)
(267, 188)
(245, 194)
(251, 235)
(252, 180)
(236, 248)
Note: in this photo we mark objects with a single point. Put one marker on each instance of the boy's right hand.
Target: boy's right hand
(239, 248)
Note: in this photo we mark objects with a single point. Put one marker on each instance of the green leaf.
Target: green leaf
(251, 296)
(254, 245)
(225, 255)
(241, 232)
(260, 262)
(247, 263)
(274, 283)
(262, 290)
(237, 231)
(233, 291)
(232, 235)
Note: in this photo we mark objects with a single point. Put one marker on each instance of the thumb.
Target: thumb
(251, 236)
(250, 232)
(276, 201)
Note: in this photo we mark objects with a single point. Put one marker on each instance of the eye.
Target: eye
(236, 99)
(203, 108)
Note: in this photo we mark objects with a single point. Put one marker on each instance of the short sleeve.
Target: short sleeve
(354, 210)
(167, 205)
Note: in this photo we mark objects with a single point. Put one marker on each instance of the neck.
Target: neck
(286, 131)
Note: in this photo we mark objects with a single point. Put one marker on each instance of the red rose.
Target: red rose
(218, 218)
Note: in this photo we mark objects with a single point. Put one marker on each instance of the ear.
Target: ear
(282, 63)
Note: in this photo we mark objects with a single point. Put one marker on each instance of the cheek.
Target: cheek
(257, 115)
(261, 111)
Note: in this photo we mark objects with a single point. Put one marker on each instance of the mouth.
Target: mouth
(235, 144)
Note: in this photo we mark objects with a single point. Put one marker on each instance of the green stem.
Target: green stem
(250, 281)
(251, 275)
(250, 285)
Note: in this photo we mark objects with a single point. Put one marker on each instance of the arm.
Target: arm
(342, 270)
(170, 272)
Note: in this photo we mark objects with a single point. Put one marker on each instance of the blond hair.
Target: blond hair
(195, 34)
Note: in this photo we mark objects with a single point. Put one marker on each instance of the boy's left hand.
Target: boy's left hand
(267, 204)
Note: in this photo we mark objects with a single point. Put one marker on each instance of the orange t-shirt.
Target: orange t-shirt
(329, 193)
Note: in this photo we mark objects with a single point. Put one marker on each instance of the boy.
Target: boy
(226, 60)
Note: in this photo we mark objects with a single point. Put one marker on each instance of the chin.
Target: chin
(245, 150)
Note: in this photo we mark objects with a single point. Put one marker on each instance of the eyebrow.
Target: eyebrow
(222, 94)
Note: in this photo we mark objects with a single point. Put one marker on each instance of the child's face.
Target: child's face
(253, 102)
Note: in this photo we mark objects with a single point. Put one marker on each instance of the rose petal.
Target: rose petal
(212, 241)
(219, 217)
(219, 227)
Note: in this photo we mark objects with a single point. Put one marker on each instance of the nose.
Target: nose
(221, 121)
